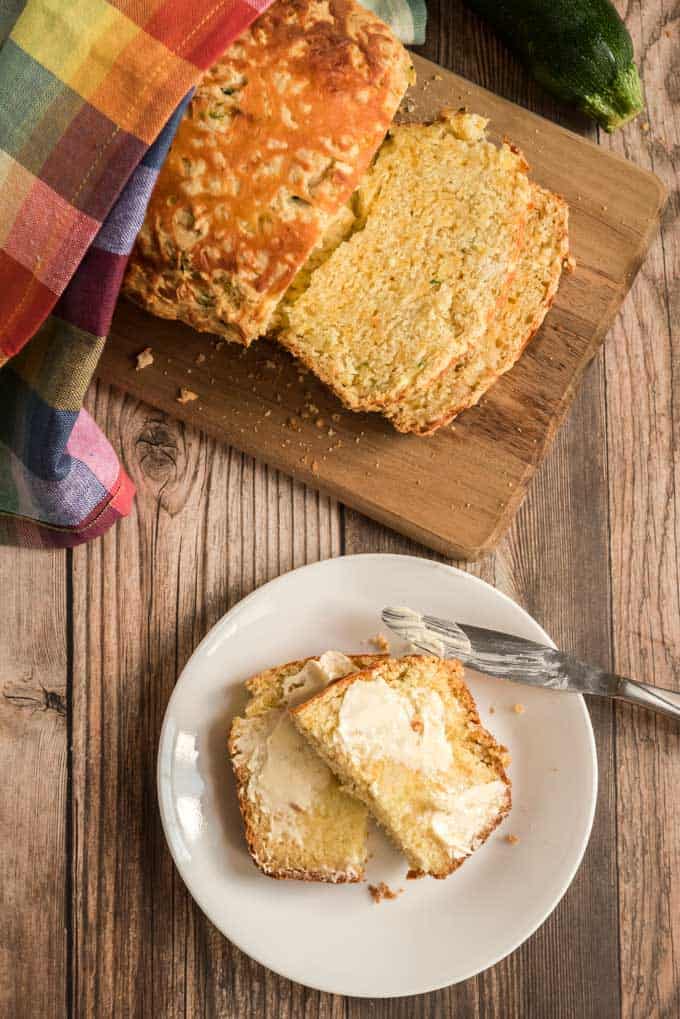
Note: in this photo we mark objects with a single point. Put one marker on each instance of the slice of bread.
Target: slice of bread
(412, 285)
(531, 293)
(298, 822)
(405, 738)
(277, 135)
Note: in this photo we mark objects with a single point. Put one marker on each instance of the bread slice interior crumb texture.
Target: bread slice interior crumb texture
(531, 293)
(413, 281)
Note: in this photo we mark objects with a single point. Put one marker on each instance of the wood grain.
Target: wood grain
(642, 440)
(33, 762)
(466, 482)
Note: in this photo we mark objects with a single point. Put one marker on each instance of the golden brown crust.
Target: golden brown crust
(275, 140)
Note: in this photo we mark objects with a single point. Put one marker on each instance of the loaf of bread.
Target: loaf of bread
(412, 283)
(298, 822)
(544, 252)
(276, 139)
(404, 737)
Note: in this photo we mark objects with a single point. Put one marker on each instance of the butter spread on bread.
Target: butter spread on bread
(404, 737)
(298, 822)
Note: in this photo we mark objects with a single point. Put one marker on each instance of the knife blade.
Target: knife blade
(519, 660)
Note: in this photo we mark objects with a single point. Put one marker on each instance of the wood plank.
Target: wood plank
(33, 760)
(467, 481)
(643, 432)
(208, 526)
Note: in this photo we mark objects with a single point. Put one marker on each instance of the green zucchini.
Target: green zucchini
(579, 50)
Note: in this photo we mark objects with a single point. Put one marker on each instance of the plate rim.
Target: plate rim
(310, 567)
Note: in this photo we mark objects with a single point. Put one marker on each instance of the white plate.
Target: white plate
(335, 938)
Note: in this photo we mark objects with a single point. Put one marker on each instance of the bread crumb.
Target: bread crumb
(519, 709)
(417, 725)
(199, 359)
(380, 641)
(383, 891)
(186, 395)
(492, 710)
(315, 466)
(569, 264)
(645, 126)
(144, 359)
(512, 839)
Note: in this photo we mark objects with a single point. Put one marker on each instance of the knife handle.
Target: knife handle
(666, 702)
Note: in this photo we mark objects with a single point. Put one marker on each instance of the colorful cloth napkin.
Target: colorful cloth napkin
(91, 92)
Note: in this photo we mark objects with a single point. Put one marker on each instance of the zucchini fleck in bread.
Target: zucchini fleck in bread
(275, 140)
(405, 738)
(438, 226)
(298, 822)
(532, 291)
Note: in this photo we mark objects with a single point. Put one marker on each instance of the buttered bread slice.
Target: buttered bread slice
(298, 822)
(405, 738)
(413, 280)
(531, 293)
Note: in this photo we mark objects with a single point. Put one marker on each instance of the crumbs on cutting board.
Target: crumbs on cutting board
(144, 359)
(186, 395)
(519, 709)
(383, 891)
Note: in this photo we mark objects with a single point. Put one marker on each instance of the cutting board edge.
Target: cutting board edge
(447, 545)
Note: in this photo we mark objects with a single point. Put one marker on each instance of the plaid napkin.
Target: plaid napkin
(91, 92)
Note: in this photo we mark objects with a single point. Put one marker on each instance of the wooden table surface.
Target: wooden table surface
(94, 920)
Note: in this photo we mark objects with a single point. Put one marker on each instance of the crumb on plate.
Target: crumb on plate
(380, 641)
(519, 709)
(383, 891)
(512, 839)
(186, 395)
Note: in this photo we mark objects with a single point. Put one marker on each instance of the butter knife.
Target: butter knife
(505, 656)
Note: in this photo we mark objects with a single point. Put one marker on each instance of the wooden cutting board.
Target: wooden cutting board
(458, 491)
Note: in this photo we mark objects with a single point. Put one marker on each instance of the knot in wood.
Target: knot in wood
(158, 450)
